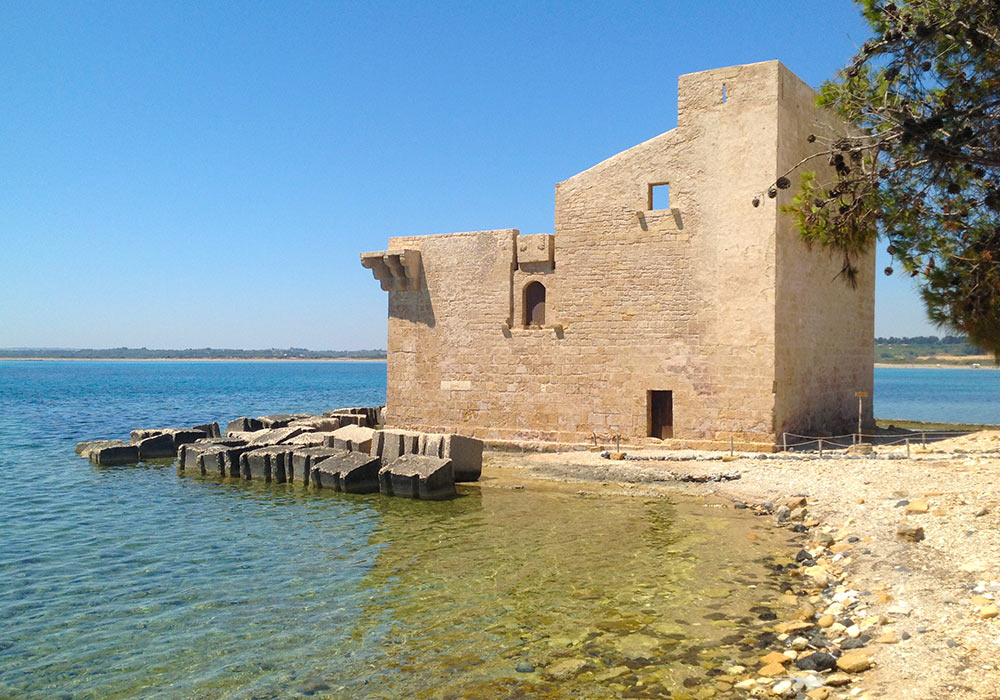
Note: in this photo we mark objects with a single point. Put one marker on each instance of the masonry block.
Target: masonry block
(266, 463)
(305, 458)
(244, 425)
(416, 476)
(350, 472)
(353, 438)
(111, 455)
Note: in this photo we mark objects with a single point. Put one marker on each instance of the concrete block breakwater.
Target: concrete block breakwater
(346, 449)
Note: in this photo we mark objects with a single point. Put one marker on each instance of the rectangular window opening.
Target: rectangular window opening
(659, 196)
(661, 414)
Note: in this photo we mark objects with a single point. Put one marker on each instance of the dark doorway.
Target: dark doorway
(534, 304)
(661, 414)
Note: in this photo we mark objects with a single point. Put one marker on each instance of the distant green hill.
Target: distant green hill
(189, 354)
(928, 349)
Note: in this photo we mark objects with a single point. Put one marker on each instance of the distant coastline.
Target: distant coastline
(4, 358)
(927, 365)
(191, 355)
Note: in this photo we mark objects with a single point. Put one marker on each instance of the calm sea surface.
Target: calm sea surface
(137, 582)
(938, 395)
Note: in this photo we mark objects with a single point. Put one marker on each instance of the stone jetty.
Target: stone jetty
(345, 449)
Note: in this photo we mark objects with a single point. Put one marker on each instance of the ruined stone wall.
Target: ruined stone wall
(825, 329)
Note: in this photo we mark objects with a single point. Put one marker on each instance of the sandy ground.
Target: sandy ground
(934, 594)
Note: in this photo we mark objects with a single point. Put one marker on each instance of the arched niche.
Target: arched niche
(534, 304)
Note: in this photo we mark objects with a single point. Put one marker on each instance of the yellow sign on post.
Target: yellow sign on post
(861, 394)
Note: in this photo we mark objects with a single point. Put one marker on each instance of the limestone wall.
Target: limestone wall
(825, 329)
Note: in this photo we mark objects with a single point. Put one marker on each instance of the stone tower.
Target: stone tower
(698, 320)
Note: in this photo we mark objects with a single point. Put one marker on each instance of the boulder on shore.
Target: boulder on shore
(244, 425)
(212, 429)
(281, 420)
(369, 415)
(390, 444)
(416, 476)
(350, 472)
(319, 424)
(910, 531)
(321, 439)
(273, 436)
(465, 453)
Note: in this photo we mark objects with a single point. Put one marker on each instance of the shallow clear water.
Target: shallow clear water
(137, 582)
(938, 395)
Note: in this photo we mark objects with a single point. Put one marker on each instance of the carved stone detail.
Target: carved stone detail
(536, 249)
(396, 270)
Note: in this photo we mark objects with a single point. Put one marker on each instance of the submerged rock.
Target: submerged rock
(561, 670)
(637, 646)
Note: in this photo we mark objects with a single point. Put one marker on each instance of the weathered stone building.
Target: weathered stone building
(697, 321)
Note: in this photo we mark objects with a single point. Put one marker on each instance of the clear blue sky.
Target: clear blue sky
(205, 174)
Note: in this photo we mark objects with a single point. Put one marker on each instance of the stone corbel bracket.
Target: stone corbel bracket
(396, 270)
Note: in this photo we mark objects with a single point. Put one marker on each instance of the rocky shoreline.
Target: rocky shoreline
(893, 579)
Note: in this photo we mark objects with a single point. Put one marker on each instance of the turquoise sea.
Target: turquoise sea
(938, 394)
(138, 582)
